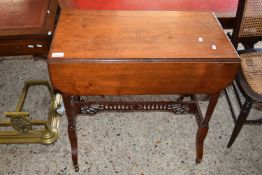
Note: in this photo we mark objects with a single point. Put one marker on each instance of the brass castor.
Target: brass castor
(76, 168)
(197, 161)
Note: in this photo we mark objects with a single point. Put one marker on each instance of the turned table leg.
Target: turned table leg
(71, 117)
(203, 128)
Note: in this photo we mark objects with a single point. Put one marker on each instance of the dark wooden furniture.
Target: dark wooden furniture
(26, 27)
(248, 24)
(137, 53)
(225, 10)
(249, 79)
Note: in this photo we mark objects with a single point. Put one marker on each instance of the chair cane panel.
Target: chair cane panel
(251, 24)
(251, 64)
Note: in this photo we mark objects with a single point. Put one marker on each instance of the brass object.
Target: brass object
(20, 121)
(23, 126)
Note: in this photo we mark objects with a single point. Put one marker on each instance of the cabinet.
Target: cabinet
(27, 26)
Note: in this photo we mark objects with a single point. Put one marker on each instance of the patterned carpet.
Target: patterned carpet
(125, 143)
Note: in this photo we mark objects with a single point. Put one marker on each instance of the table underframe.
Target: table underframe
(74, 105)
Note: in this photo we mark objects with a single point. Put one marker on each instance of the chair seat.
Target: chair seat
(251, 64)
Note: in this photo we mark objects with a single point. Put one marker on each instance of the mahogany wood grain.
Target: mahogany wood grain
(140, 78)
(19, 46)
(71, 127)
(24, 23)
(140, 52)
(16, 14)
(161, 34)
(31, 17)
(225, 10)
(203, 128)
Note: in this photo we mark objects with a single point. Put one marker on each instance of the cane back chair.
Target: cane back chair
(248, 31)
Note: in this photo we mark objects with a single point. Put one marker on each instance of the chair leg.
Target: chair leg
(240, 121)
(249, 45)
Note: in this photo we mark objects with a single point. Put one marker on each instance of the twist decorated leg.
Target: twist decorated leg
(203, 128)
(71, 117)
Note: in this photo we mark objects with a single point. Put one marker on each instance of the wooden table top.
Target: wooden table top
(114, 35)
(27, 17)
(25, 14)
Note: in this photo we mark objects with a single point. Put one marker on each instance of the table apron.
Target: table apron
(141, 78)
